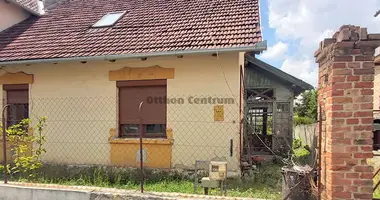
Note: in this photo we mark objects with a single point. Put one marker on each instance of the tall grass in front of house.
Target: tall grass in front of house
(265, 184)
(376, 193)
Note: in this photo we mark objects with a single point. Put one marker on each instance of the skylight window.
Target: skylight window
(109, 19)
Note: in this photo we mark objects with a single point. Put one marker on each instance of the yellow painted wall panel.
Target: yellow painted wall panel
(127, 155)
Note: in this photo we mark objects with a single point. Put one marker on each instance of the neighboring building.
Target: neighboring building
(376, 101)
(269, 98)
(87, 65)
(15, 11)
(376, 96)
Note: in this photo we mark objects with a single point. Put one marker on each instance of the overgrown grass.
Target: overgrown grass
(302, 153)
(376, 193)
(266, 183)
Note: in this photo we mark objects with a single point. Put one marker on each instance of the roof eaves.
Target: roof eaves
(258, 47)
(261, 28)
(26, 7)
(279, 73)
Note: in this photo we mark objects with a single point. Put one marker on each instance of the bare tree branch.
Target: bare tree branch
(377, 13)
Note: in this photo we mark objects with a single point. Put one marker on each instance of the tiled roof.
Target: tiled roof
(30, 5)
(148, 26)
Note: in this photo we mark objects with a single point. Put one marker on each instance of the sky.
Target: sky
(294, 28)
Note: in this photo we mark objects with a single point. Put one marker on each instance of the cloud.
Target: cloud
(306, 20)
(304, 69)
(276, 51)
(304, 23)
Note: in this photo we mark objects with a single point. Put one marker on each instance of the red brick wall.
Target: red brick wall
(346, 72)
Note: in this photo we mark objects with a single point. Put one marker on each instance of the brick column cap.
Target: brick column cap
(348, 36)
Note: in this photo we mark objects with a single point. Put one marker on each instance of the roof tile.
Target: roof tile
(148, 26)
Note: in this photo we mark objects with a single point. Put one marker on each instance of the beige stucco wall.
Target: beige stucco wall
(11, 14)
(81, 106)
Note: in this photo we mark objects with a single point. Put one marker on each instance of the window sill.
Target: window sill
(113, 139)
(158, 141)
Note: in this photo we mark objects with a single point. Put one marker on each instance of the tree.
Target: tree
(308, 105)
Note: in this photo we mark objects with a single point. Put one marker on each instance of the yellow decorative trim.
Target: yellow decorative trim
(16, 78)
(112, 134)
(146, 73)
(113, 139)
(137, 141)
(169, 133)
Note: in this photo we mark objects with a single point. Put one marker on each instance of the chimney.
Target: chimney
(40, 6)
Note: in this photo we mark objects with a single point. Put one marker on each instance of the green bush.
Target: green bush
(301, 153)
(297, 143)
(25, 160)
(302, 121)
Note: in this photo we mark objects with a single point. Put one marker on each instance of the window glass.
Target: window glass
(129, 130)
(109, 19)
(155, 130)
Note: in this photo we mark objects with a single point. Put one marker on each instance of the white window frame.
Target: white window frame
(122, 13)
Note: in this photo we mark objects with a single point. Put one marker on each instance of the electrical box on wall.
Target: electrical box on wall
(218, 170)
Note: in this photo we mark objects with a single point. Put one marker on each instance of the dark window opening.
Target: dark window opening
(260, 121)
(17, 97)
(149, 130)
(153, 113)
(259, 129)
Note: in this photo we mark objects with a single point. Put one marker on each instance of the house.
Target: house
(268, 102)
(14, 11)
(88, 65)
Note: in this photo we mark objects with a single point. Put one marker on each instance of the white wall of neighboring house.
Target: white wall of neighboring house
(11, 14)
(376, 91)
(376, 88)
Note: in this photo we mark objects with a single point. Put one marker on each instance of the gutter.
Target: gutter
(258, 47)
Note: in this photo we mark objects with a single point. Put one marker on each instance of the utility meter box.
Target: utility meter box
(218, 171)
(206, 182)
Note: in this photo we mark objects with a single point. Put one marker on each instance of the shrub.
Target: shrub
(25, 159)
(301, 153)
(302, 121)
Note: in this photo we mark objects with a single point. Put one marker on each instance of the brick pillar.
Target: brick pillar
(346, 72)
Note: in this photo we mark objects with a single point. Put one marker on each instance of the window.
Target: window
(283, 107)
(260, 120)
(109, 19)
(17, 96)
(153, 113)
